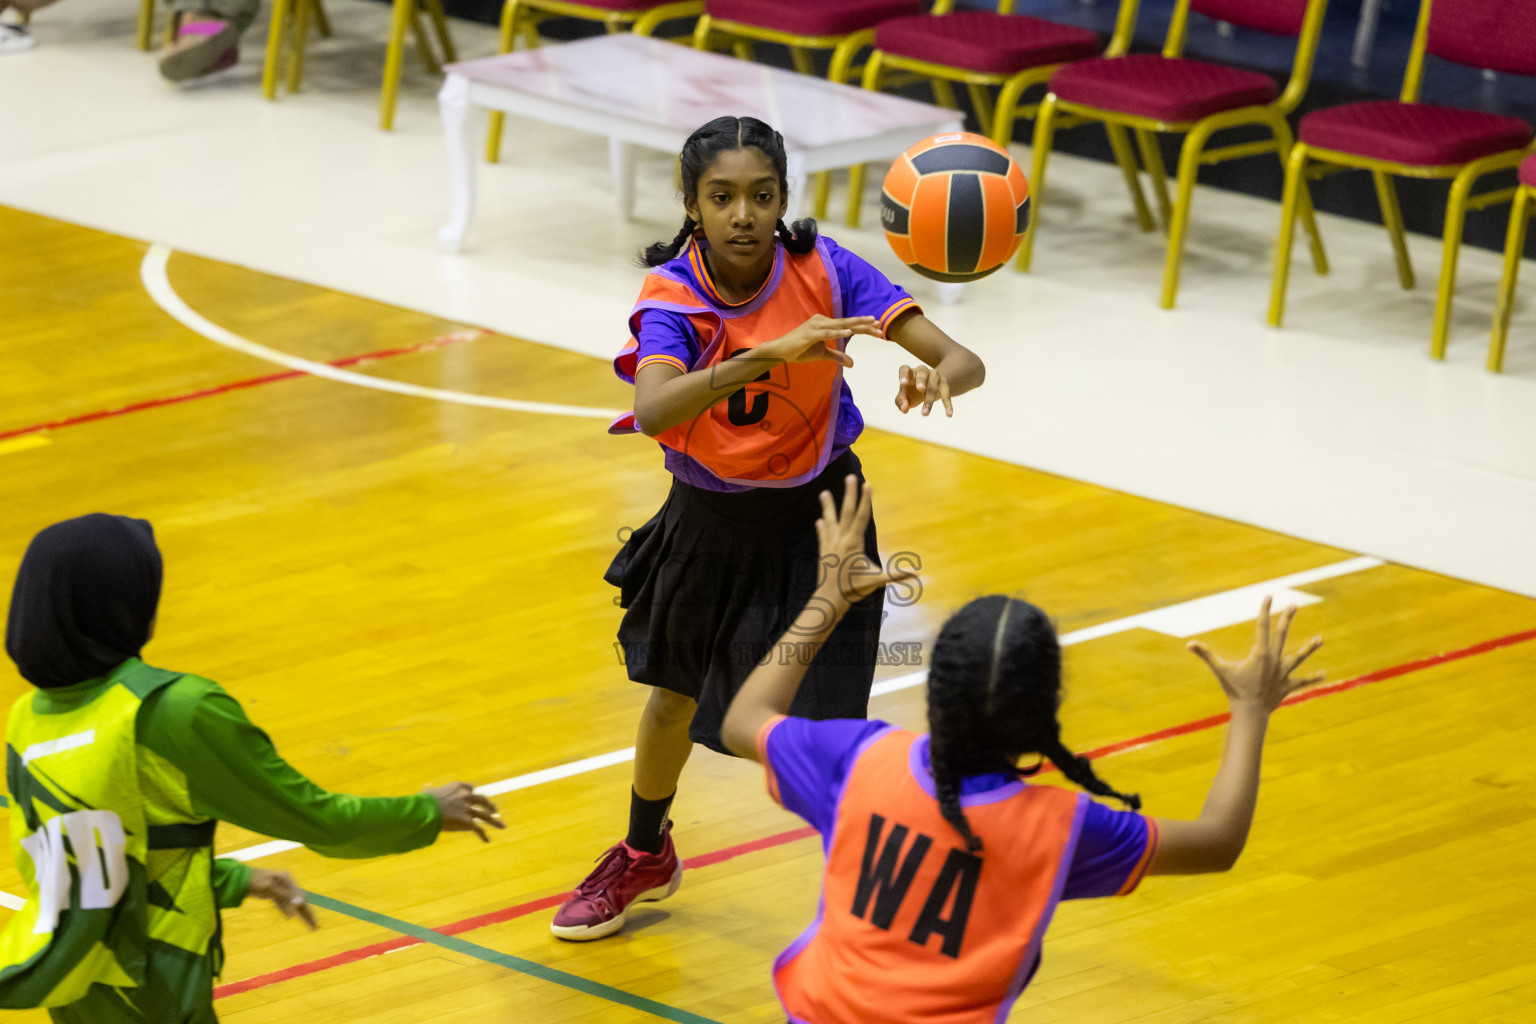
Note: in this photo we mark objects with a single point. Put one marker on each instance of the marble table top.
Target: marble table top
(677, 88)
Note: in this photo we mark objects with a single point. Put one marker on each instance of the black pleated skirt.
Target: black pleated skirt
(711, 583)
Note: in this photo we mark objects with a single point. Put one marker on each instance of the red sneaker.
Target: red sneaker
(623, 877)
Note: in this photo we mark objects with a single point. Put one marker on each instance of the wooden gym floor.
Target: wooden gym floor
(404, 591)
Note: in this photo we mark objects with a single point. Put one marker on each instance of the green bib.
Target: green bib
(81, 836)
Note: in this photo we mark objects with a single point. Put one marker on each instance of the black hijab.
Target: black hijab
(85, 597)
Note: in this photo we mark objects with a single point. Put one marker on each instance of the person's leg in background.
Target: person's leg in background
(14, 36)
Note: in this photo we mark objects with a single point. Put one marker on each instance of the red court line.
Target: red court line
(1322, 691)
(795, 835)
(241, 385)
(351, 956)
(469, 924)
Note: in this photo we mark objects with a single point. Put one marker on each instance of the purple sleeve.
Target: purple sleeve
(808, 761)
(1113, 851)
(866, 291)
(666, 337)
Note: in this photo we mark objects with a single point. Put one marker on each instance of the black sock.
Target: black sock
(646, 818)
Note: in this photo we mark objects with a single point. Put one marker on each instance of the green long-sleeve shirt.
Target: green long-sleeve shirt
(199, 759)
(235, 774)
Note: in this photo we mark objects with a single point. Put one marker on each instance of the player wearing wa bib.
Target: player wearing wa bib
(943, 867)
(913, 927)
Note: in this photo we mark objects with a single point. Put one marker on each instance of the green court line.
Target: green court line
(514, 963)
(491, 956)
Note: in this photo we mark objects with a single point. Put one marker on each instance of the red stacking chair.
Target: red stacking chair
(1419, 140)
(843, 26)
(983, 50)
(1514, 248)
(1152, 93)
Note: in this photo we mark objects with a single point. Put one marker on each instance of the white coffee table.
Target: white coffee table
(640, 91)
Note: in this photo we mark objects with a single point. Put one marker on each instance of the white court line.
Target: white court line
(1186, 618)
(153, 273)
(1206, 613)
(538, 778)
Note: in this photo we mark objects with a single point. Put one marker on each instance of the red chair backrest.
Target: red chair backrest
(1499, 35)
(1282, 17)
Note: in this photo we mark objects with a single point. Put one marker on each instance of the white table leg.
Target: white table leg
(622, 164)
(1365, 35)
(453, 105)
(798, 183)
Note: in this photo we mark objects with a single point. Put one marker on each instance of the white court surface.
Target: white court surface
(1339, 428)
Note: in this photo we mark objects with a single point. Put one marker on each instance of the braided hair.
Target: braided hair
(722, 135)
(993, 688)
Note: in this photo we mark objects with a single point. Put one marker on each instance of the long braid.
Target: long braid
(1080, 770)
(657, 253)
(946, 786)
(963, 662)
(994, 684)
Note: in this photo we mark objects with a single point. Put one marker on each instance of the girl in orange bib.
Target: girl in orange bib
(942, 867)
(737, 351)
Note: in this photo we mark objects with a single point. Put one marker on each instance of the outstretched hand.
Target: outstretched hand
(1264, 678)
(809, 343)
(923, 386)
(464, 810)
(285, 894)
(849, 574)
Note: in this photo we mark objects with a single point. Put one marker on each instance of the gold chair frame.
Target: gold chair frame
(1514, 251)
(844, 49)
(997, 120)
(521, 18)
(289, 31)
(1463, 178)
(1194, 153)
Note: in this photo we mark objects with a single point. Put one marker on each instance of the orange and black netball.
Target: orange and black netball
(954, 207)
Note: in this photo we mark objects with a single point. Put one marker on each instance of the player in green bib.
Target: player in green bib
(118, 774)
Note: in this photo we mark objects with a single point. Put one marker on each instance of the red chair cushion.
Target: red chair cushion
(1148, 85)
(1528, 171)
(985, 41)
(812, 17)
(1417, 134)
(1282, 17)
(1499, 36)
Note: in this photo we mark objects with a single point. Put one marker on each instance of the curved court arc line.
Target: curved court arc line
(152, 271)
